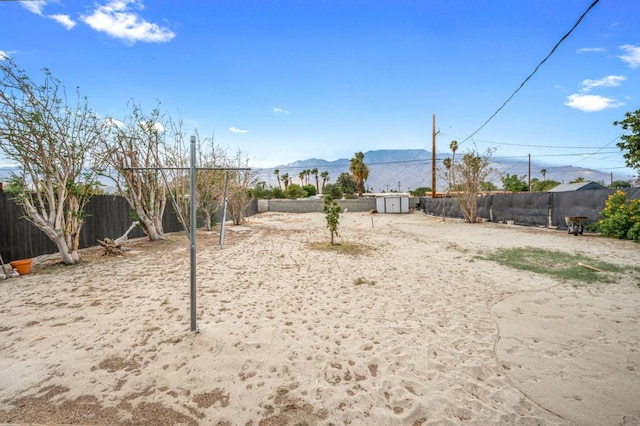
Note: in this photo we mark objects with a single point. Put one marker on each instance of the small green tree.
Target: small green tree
(621, 217)
(620, 184)
(332, 210)
(543, 185)
(347, 184)
(261, 192)
(630, 143)
(513, 183)
(278, 193)
(334, 190)
(295, 191)
(420, 191)
(487, 186)
(310, 190)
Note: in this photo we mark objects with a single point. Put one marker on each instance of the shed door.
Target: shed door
(393, 205)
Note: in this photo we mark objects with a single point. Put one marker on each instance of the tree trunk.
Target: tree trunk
(68, 256)
(149, 228)
(206, 217)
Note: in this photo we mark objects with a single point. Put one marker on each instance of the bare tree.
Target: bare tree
(51, 139)
(239, 182)
(471, 171)
(209, 182)
(135, 150)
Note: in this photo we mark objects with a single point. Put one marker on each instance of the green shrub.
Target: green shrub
(310, 190)
(334, 190)
(278, 192)
(621, 217)
(295, 191)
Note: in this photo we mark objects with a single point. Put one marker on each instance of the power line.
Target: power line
(612, 141)
(533, 72)
(533, 146)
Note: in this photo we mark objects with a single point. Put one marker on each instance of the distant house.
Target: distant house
(580, 186)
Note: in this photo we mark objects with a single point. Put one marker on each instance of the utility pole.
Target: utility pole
(433, 157)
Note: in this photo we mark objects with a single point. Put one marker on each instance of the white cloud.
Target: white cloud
(590, 50)
(4, 55)
(608, 81)
(277, 110)
(591, 103)
(236, 130)
(117, 20)
(37, 7)
(633, 55)
(34, 6)
(63, 20)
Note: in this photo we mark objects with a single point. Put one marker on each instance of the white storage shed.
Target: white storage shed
(392, 204)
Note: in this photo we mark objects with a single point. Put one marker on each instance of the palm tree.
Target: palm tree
(454, 148)
(325, 179)
(543, 172)
(301, 175)
(359, 170)
(285, 179)
(314, 172)
(447, 164)
(277, 173)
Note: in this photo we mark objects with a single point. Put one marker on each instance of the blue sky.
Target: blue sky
(286, 80)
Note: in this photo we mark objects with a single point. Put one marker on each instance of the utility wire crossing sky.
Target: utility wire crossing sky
(287, 80)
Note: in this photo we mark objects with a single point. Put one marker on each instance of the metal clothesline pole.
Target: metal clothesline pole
(192, 223)
(224, 209)
(192, 215)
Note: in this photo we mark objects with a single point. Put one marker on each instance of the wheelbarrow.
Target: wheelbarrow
(575, 224)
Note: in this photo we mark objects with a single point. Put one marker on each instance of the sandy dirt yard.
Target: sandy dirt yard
(409, 326)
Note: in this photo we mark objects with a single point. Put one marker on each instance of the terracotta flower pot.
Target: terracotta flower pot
(22, 266)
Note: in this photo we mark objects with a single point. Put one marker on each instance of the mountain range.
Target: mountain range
(406, 169)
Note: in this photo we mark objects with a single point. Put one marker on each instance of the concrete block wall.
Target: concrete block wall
(364, 204)
(314, 206)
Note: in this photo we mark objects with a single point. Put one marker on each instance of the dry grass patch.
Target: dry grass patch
(558, 264)
(347, 248)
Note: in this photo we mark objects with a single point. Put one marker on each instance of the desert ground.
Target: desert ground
(405, 324)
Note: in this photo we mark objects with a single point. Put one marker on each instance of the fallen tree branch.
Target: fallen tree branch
(593, 268)
(110, 247)
(124, 237)
(115, 246)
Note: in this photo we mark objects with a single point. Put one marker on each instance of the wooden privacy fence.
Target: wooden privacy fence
(532, 208)
(107, 216)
